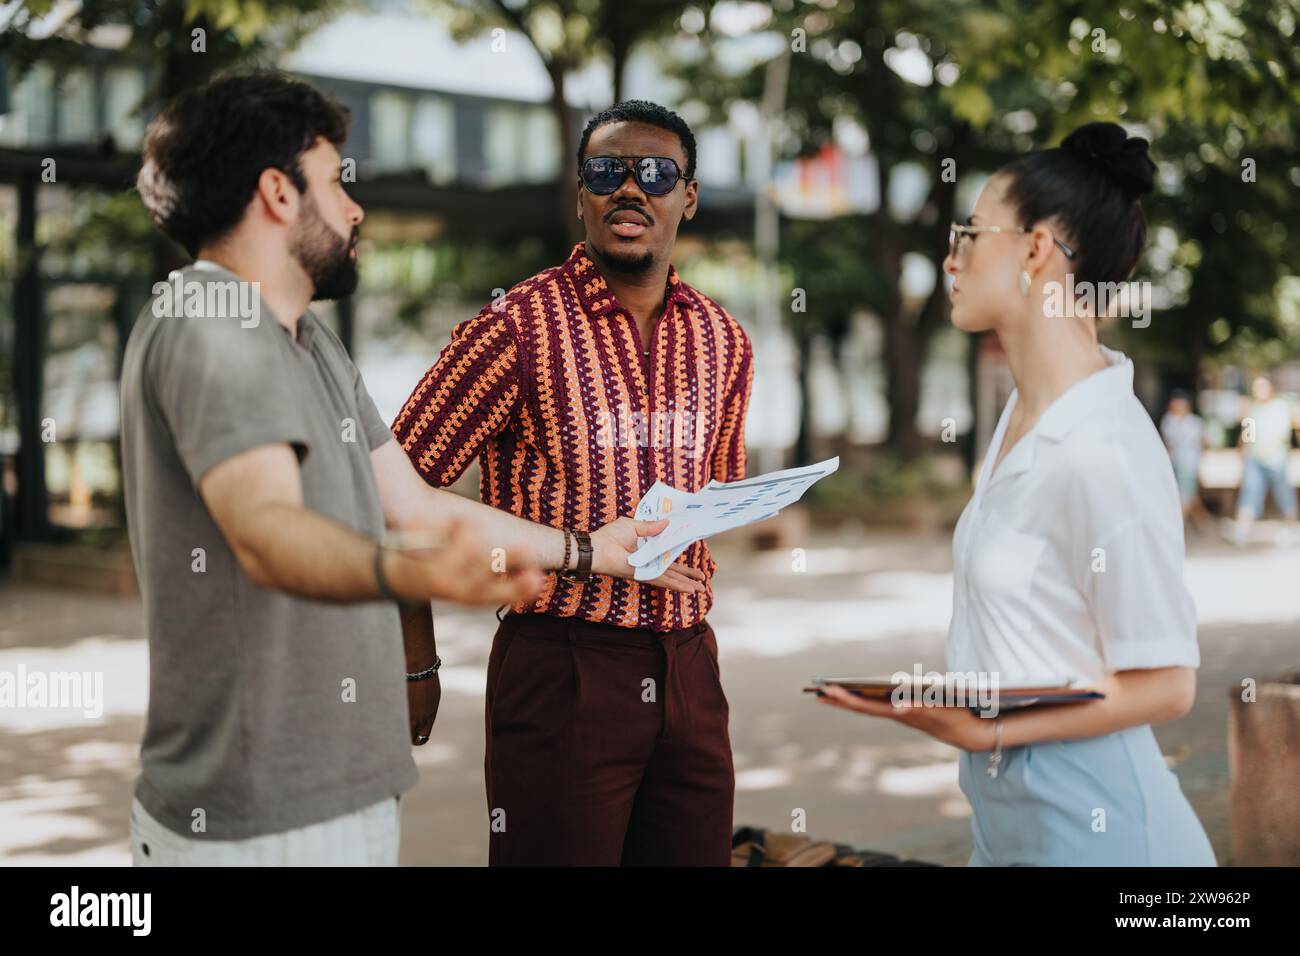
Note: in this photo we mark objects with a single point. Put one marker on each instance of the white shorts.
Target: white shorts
(368, 837)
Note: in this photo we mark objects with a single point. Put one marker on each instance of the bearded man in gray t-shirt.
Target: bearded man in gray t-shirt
(260, 482)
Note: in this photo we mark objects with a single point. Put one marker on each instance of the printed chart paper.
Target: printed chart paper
(718, 506)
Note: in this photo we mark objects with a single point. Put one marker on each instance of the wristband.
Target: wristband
(381, 582)
(585, 554)
(582, 570)
(427, 672)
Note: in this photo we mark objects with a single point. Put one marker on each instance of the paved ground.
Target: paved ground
(866, 604)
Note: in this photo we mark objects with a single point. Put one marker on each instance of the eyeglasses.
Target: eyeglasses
(960, 236)
(656, 175)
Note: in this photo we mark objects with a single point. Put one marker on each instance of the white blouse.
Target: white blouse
(1068, 560)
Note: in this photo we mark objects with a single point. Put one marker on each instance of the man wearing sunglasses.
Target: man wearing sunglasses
(606, 722)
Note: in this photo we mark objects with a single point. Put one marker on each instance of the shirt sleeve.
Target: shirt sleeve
(224, 388)
(729, 456)
(372, 423)
(465, 399)
(1121, 513)
(339, 364)
(1142, 609)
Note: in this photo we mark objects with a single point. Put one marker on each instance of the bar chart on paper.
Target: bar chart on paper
(718, 506)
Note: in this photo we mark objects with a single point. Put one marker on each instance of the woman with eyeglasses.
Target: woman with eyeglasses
(1068, 560)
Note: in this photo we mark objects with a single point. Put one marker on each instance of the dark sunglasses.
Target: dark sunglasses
(656, 175)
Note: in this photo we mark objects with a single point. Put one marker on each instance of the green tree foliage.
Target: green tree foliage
(161, 33)
(1211, 83)
(568, 35)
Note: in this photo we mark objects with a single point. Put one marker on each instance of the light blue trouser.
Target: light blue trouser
(1103, 801)
(1257, 480)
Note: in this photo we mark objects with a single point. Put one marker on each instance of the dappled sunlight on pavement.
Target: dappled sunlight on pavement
(869, 608)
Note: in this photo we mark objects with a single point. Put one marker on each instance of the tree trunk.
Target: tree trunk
(901, 359)
(184, 69)
(620, 49)
(30, 334)
(908, 336)
(803, 441)
(907, 347)
(1188, 373)
(567, 183)
(904, 355)
(181, 70)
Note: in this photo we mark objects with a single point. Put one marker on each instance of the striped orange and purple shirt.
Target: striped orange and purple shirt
(572, 422)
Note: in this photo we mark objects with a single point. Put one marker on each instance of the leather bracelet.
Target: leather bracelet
(427, 672)
(585, 555)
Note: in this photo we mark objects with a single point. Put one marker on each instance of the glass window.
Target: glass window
(30, 121)
(433, 138)
(522, 144)
(123, 95)
(717, 161)
(503, 143)
(77, 108)
(390, 125)
(541, 155)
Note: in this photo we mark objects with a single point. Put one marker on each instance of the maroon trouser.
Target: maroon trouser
(606, 745)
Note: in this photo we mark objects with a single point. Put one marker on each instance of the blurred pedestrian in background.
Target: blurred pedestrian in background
(1265, 444)
(1184, 434)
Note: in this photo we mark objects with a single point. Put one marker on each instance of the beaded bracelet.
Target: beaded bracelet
(568, 543)
(428, 671)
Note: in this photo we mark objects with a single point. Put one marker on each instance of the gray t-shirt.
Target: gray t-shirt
(267, 712)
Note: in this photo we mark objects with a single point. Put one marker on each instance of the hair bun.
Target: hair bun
(1121, 157)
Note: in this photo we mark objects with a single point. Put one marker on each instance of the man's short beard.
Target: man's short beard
(324, 255)
(628, 265)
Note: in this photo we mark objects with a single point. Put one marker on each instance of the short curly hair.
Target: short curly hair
(203, 154)
(642, 111)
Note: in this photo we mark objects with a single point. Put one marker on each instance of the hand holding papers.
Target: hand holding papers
(718, 506)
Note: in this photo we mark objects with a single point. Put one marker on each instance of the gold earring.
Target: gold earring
(1024, 283)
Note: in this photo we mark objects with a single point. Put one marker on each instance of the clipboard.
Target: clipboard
(1056, 691)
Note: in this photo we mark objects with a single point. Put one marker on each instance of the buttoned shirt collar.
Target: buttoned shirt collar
(594, 293)
(1085, 398)
(1088, 396)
